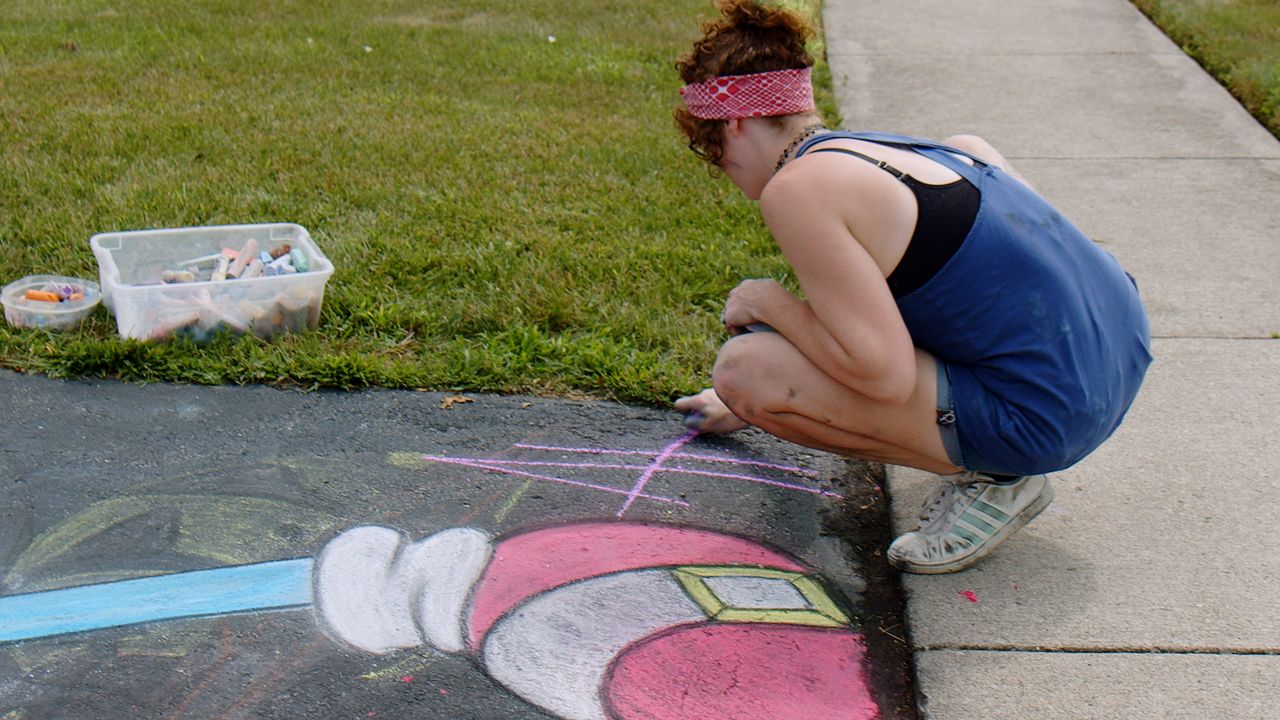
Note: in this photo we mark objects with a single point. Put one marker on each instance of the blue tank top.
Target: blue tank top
(1041, 332)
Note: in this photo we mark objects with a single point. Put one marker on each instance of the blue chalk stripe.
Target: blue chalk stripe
(275, 585)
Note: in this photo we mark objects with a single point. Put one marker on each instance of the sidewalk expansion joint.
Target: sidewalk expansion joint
(1088, 650)
(1145, 158)
(1011, 54)
(1229, 338)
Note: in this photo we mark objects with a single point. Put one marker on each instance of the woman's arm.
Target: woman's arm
(849, 326)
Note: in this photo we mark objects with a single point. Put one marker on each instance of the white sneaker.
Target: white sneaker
(965, 518)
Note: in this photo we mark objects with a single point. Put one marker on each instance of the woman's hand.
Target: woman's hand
(706, 412)
(747, 303)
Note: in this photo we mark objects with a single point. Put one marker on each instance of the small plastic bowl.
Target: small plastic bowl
(22, 312)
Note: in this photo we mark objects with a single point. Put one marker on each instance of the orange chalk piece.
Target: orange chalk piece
(43, 296)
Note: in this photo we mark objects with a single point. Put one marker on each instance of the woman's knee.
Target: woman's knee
(971, 144)
(980, 149)
(737, 374)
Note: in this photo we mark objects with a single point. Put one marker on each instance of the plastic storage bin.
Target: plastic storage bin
(131, 267)
(19, 311)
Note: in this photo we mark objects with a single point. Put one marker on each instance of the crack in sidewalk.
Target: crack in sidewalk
(1101, 650)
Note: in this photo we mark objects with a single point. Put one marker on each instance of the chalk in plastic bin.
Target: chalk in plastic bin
(49, 302)
(300, 260)
(242, 258)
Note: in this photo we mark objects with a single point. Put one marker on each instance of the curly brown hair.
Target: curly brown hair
(748, 38)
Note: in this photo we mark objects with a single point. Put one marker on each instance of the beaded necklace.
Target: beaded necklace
(805, 134)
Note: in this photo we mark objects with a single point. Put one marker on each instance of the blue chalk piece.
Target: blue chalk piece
(694, 420)
(275, 585)
(265, 257)
(759, 327)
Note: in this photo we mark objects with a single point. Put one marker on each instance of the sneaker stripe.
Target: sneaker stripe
(978, 523)
(991, 510)
(966, 535)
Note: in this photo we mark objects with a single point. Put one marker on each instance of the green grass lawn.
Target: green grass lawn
(1238, 41)
(499, 184)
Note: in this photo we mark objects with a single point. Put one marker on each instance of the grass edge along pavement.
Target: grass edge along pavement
(565, 244)
(1236, 41)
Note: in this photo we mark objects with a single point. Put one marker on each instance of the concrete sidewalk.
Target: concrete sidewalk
(1149, 589)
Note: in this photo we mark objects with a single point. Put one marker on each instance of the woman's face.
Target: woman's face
(741, 159)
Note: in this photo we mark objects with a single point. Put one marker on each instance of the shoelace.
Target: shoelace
(942, 499)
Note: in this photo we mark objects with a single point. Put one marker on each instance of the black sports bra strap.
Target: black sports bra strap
(878, 163)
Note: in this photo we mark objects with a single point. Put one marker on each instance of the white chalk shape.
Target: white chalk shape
(762, 593)
(379, 593)
(452, 562)
(555, 649)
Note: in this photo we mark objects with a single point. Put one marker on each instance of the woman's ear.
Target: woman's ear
(733, 126)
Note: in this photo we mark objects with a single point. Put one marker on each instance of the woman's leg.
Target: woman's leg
(765, 381)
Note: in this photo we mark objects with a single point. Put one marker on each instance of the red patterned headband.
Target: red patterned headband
(779, 92)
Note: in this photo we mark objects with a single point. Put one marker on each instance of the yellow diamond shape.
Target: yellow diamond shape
(825, 613)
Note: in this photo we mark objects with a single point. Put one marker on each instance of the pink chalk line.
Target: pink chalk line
(680, 455)
(665, 469)
(500, 465)
(494, 467)
(653, 467)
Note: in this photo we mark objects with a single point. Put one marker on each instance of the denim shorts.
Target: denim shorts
(947, 417)
(990, 434)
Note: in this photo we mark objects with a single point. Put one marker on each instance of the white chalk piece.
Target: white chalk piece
(199, 261)
(282, 264)
(220, 269)
(254, 269)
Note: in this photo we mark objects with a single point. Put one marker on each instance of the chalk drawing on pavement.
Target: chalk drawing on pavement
(670, 460)
(600, 620)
